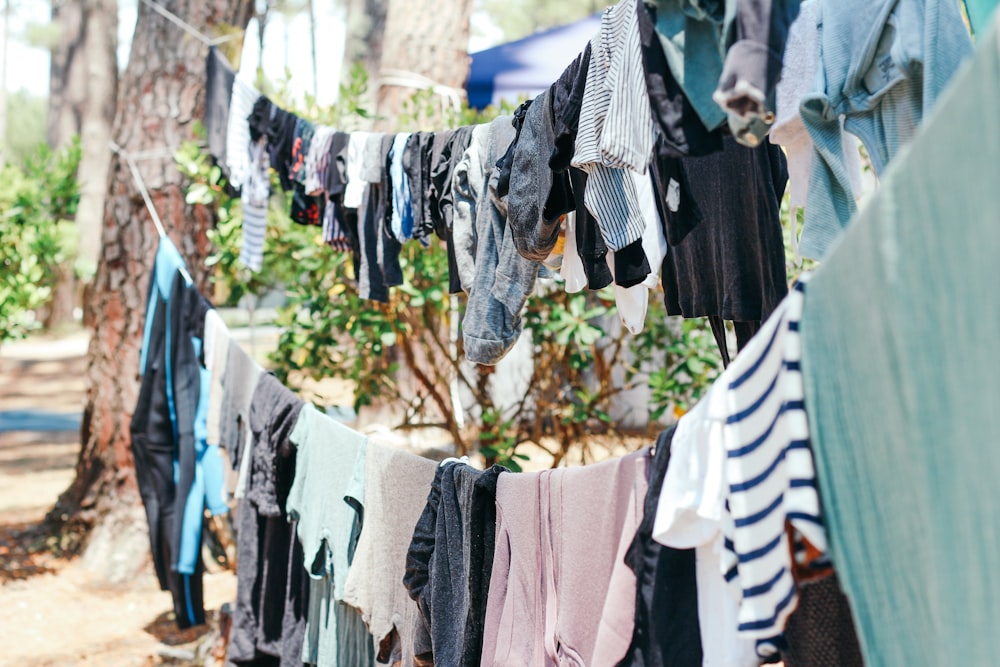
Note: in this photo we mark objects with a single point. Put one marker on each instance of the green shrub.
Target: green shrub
(37, 205)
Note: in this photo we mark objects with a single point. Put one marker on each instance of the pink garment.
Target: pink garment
(560, 592)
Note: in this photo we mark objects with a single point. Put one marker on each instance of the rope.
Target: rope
(406, 79)
(140, 183)
(187, 27)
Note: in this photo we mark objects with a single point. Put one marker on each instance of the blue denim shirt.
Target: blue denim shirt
(884, 63)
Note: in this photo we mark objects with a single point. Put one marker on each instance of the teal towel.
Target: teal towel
(900, 336)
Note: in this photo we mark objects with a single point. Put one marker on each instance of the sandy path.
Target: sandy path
(51, 612)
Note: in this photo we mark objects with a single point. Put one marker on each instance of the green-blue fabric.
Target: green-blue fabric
(979, 13)
(327, 455)
(900, 332)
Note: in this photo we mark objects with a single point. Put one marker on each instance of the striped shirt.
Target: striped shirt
(317, 160)
(254, 198)
(616, 128)
(769, 472)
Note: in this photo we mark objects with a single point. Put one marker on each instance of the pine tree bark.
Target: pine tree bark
(365, 31)
(83, 84)
(161, 96)
(428, 38)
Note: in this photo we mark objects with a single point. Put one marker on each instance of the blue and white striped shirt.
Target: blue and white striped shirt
(769, 472)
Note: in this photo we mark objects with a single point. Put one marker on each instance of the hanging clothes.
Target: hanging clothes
(396, 486)
(241, 105)
(338, 232)
(632, 302)
(681, 130)
(560, 592)
(750, 474)
(166, 440)
(254, 199)
(798, 76)
(820, 632)
(727, 58)
(326, 502)
(441, 203)
(606, 109)
(417, 168)
(731, 264)
(219, 84)
(979, 14)
(238, 383)
(449, 561)
(217, 339)
(272, 587)
(534, 230)
(770, 474)
(896, 336)
(689, 515)
(401, 215)
(666, 632)
(468, 181)
(492, 322)
(884, 64)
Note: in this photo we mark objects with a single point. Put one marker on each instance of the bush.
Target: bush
(37, 204)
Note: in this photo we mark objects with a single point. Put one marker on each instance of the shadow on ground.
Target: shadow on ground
(25, 552)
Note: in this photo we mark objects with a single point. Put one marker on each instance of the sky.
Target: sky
(286, 43)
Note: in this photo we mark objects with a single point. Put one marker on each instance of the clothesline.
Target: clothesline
(140, 183)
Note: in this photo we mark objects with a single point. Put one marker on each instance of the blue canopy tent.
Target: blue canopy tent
(527, 66)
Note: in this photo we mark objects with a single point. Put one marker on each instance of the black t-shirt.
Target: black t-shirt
(218, 94)
(732, 263)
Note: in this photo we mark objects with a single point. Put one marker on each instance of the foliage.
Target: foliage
(406, 353)
(26, 119)
(37, 205)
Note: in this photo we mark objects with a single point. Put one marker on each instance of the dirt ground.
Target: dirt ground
(51, 611)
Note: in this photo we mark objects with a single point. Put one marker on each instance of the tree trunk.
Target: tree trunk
(426, 38)
(161, 96)
(83, 82)
(83, 90)
(365, 32)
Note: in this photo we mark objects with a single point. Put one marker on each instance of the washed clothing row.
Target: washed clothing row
(500, 197)
(354, 552)
(732, 487)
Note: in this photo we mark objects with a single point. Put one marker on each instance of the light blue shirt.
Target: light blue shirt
(882, 81)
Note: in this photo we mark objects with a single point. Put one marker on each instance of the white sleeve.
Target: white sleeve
(692, 500)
